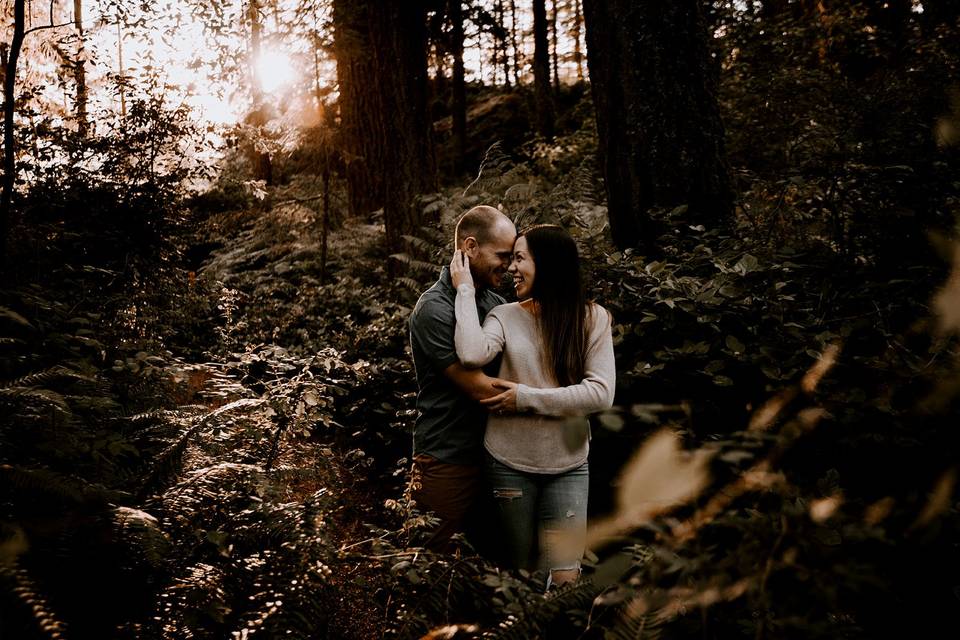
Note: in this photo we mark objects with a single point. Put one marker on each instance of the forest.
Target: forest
(217, 217)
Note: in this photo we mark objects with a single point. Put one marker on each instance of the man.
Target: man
(448, 435)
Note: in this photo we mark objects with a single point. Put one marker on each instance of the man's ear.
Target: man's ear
(470, 247)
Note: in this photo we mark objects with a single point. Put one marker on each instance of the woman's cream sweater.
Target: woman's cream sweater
(548, 433)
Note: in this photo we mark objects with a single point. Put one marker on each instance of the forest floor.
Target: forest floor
(275, 298)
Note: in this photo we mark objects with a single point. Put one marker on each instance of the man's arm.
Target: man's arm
(473, 382)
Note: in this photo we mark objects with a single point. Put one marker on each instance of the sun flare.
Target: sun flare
(275, 71)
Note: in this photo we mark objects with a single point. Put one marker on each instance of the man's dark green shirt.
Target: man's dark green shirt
(450, 425)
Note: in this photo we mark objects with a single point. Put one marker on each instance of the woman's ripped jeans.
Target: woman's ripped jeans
(545, 511)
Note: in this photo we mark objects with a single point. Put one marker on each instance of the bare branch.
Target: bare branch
(46, 26)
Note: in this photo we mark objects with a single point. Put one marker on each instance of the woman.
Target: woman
(558, 351)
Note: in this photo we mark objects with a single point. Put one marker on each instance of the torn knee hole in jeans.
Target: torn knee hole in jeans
(507, 493)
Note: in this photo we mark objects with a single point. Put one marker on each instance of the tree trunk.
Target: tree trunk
(554, 53)
(577, 27)
(79, 70)
(387, 135)
(459, 94)
(359, 104)
(9, 107)
(541, 71)
(660, 134)
(262, 164)
(120, 75)
(513, 42)
(502, 39)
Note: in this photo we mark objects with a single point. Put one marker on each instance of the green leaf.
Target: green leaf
(730, 291)
(611, 421)
(16, 317)
(746, 264)
(735, 345)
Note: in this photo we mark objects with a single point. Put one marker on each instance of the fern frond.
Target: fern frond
(10, 314)
(418, 243)
(55, 487)
(209, 485)
(630, 624)
(168, 465)
(43, 396)
(140, 533)
(147, 418)
(494, 165)
(540, 613)
(408, 283)
(419, 266)
(199, 594)
(27, 593)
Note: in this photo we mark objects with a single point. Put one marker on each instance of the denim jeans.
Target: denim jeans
(549, 510)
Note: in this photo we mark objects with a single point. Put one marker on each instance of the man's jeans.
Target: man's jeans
(547, 508)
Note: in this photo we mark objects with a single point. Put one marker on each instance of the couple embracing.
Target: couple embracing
(499, 383)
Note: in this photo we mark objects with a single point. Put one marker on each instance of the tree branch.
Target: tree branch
(297, 200)
(46, 26)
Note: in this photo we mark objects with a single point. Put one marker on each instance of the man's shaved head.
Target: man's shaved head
(481, 222)
(486, 237)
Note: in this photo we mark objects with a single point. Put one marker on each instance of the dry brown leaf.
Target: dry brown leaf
(946, 303)
(939, 498)
(659, 477)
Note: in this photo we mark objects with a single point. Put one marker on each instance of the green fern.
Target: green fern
(541, 612)
(414, 264)
(140, 534)
(418, 244)
(168, 465)
(41, 397)
(31, 602)
(493, 167)
(10, 314)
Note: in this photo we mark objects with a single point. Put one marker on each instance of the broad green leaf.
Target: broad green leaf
(735, 345)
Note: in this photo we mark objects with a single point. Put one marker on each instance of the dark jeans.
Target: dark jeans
(549, 509)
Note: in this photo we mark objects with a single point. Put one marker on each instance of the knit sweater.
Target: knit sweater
(533, 439)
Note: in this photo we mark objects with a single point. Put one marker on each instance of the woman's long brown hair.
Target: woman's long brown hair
(558, 291)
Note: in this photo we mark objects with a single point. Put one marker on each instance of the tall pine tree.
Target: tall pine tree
(660, 134)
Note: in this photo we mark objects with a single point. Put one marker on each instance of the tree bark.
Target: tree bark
(577, 30)
(262, 164)
(459, 93)
(513, 42)
(121, 80)
(502, 39)
(660, 135)
(554, 52)
(541, 71)
(385, 127)
(9, 108)
(80, 70)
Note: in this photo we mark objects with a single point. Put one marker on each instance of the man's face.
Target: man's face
(489, 261)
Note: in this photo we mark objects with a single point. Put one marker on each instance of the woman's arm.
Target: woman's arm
(593, 393)
(475, 346)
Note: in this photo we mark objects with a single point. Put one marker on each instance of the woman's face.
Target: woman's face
(522, 269)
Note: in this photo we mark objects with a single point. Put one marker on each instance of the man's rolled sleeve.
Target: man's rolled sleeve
(432, 330)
